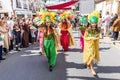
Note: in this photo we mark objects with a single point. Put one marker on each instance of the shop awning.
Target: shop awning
(23, 12)
(98, 1)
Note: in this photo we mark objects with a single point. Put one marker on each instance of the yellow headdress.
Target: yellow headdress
(65, 15)
(48, 16)
(43, 16)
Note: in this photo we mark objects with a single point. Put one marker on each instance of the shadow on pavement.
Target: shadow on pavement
(102, 49)
(75, 50)
(72, 50)
(108, 69)
(62, 65)
(60, 70)
(90, 78)
(62, 73)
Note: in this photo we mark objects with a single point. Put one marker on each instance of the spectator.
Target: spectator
(33, 30)
(11, 24)
(116, 28)
(106, 21)
(25, 34)
(4, 29)
(112, 21)
(1, 43)
(17, 36)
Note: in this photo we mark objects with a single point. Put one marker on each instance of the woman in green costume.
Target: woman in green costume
(50, 42)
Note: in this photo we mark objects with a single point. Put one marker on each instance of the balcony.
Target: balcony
(98, 1)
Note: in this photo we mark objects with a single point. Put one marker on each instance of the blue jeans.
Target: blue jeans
(0, 52)
(115, 35)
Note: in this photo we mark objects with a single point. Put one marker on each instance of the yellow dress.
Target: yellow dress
(91, 49)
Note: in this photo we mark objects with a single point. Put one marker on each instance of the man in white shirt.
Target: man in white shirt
(11, 24)
(106, 20)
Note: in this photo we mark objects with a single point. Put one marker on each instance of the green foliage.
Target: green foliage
(93, 32)
(83, 28)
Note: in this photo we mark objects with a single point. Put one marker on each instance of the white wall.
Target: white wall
(86, 6)
(104, 7)
(114, 7)
(6, 7)
(98, 6)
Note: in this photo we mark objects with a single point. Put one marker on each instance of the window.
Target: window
(18, 4)
(30, 6)
(0, 4)
(25, 6)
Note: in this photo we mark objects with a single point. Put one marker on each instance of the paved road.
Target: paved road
(29, 65)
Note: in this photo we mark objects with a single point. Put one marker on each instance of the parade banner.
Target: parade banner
(63, 5)
(67, 8)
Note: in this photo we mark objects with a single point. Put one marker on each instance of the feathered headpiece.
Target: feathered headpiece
(83, 20)
(94, 17)
(38, 21)
(66, 15)
(43, 16)
(48, 16)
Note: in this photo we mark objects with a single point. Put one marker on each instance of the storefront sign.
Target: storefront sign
(23, 12)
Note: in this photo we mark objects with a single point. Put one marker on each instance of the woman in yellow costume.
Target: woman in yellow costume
(50, 39)
(91, 45)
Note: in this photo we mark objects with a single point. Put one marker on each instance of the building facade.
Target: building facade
(111, 6)
(5, 8)
(19, 8)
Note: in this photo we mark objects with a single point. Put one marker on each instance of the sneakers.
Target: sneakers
(2, 59)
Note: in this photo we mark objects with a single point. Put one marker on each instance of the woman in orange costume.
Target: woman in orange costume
(64, 34)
